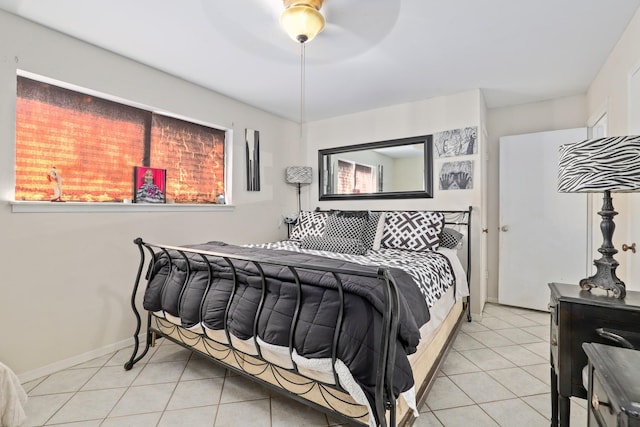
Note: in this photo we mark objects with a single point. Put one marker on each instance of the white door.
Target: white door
(543, 233)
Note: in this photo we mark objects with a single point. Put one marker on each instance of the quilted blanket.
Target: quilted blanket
(195, 302)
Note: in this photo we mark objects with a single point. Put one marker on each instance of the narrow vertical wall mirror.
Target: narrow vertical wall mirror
(393, 169)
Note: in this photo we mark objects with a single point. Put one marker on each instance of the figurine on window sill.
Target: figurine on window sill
(56, 182)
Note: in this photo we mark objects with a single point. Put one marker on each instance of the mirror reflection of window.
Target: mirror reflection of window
(346, 173)
(363, 179)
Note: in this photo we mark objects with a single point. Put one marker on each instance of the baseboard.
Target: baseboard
(493, 300)
(76, 360)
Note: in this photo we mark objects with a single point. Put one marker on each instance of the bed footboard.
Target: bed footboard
(227, 353)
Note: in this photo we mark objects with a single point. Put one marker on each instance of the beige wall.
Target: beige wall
(66, 277)
(400, 121)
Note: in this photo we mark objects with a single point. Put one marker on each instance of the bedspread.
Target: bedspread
(194, 301)
(432, 271)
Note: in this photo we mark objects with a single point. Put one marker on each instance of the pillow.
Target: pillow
(415, 231)
(450, 238)
(370, 230)
(345, 224)
(308, 224)
(333, 244)
(379, 231)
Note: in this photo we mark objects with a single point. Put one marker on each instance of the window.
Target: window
(95, 143)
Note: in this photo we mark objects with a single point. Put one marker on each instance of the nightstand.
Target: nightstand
(575, 316)
(614, 386)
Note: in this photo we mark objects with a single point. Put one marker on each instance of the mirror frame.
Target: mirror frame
(427, 140)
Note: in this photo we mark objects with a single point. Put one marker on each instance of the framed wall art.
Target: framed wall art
(149, 185)
(252, 148)
(456, 142)
(456, 175)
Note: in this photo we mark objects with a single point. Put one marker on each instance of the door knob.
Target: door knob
(626, 247)
(504, 228)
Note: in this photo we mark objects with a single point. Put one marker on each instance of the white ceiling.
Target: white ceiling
(373, 53)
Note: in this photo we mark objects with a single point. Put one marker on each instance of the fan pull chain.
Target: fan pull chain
(302, 85)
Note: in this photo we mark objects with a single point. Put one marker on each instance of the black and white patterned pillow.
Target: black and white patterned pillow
(450, 238)
(414, 231)
(348, 225)
(334, 244)
(309, 224)
(369, 234)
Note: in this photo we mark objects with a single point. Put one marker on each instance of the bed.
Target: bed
(352, 315)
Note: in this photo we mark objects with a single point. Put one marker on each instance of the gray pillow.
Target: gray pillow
(450, 238)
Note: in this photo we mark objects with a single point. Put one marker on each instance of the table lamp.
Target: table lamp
(299, 175)
(610, 164)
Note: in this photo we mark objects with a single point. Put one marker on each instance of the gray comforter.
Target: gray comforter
(194, 301)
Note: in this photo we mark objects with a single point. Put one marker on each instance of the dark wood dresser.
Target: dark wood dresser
(575, 316)
(614, 386)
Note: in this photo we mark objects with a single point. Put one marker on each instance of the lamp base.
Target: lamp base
(605, 277)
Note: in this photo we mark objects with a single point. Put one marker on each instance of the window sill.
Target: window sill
(30, 207)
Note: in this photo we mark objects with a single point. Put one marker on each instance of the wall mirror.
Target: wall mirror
(393, 169)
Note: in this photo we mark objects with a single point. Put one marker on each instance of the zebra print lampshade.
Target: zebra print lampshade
(596, 165)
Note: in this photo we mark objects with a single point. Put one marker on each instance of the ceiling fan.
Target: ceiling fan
(302, 20)
(349, 30)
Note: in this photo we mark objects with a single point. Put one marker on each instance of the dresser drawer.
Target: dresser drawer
(614, 386)
(603, 411)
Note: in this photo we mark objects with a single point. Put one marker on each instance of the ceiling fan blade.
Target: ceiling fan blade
(273, 7)
(357, 20)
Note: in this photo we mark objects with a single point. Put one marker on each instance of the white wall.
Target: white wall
(563, 113)
(401, 121)
(66, 277)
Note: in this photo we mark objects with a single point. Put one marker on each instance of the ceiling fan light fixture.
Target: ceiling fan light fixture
(302, 19)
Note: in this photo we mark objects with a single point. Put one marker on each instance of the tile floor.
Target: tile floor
(497, 374)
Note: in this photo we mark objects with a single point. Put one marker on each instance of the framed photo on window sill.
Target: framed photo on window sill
(149, 185)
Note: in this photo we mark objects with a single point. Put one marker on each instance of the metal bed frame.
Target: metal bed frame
(385, 410)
